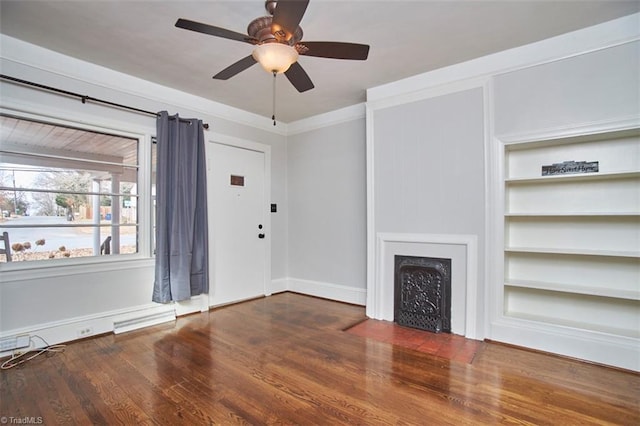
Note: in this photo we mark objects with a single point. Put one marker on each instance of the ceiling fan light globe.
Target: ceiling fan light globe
(275, 57)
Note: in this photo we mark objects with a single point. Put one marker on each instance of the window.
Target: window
(68, 192)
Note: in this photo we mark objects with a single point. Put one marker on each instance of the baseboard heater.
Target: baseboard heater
(143, 321)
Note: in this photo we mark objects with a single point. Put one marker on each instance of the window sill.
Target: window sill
(24, 271)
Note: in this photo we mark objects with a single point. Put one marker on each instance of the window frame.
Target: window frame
(89, 264)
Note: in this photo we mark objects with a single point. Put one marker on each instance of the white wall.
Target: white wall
(327, 210)
(585, 90)
(429, 165)
(55, 305)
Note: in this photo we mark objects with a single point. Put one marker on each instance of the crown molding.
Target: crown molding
(350, 113)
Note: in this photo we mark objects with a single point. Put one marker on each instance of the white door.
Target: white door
(237, 207)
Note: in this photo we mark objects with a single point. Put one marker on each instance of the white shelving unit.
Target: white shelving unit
(572, 241)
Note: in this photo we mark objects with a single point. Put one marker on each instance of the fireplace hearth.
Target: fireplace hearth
(422, 293)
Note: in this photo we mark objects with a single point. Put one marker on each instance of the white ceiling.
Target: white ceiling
(406, 38)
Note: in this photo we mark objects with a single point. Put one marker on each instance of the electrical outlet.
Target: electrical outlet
(85, 331)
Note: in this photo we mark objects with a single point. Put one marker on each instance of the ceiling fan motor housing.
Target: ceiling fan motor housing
(260, 29)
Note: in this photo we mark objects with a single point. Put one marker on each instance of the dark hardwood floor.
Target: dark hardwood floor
(285, 359)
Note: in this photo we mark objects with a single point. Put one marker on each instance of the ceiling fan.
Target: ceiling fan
(278, 43)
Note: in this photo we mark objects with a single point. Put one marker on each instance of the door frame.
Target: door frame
(234, 142)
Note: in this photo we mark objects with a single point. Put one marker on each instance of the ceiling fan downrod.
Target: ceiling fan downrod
(270, 6)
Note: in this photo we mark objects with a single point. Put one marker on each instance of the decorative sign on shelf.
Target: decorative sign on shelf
(570, 167)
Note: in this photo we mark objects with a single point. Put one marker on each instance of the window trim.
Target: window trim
(46, 268)
(43, 271)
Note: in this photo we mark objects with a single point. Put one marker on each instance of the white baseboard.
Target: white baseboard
(279, 285)
(198, 303)
(338, 292)
(601, 348)
(91, 325)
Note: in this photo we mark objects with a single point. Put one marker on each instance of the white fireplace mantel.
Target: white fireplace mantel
(463, 252)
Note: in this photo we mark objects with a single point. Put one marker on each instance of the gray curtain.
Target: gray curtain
(181, 210)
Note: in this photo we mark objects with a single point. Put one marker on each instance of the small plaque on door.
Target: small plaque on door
(237, 180)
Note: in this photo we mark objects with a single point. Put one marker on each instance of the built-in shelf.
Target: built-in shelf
(577, 289)
(571, 251)
(569, 237)
(522, 142)
(570, 214)
(575, 177)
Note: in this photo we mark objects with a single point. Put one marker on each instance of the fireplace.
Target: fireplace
(422, 293)
(463, 252)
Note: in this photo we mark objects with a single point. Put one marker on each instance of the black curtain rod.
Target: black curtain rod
(85, 98)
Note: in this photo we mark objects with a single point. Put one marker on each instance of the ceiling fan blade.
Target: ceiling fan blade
(214, 31)
(299, 78)
(235, 68)
(287, 16)
(335, 50)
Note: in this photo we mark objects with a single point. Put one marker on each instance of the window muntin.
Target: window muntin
(67, 192)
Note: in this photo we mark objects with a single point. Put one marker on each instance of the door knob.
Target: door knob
(260, 236)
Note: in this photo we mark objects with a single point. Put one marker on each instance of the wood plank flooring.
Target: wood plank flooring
(285, 359)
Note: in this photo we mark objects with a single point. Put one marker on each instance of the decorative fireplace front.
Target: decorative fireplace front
(422, 293)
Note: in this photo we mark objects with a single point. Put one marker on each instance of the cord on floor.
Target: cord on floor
(20, 357)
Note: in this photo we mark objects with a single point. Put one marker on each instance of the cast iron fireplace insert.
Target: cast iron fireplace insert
(422, 293)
